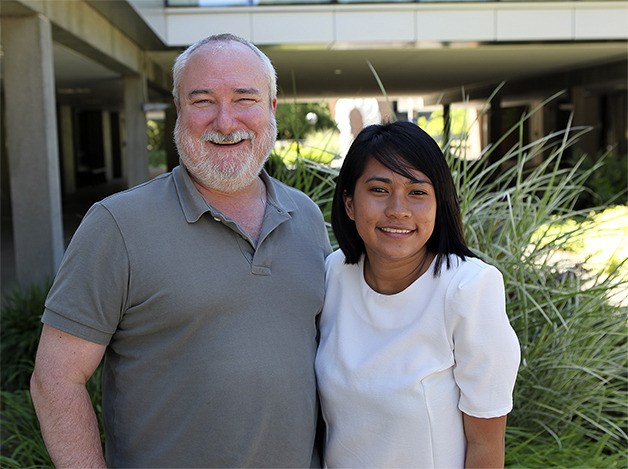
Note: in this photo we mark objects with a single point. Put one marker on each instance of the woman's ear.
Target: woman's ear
(348, 200)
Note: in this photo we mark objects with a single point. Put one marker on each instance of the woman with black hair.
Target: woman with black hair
(417, 359)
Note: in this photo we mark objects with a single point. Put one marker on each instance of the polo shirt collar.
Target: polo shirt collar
(194, 206)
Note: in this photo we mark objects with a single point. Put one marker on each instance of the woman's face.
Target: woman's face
(394, 215)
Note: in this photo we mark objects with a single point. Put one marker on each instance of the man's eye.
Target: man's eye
(379, 190)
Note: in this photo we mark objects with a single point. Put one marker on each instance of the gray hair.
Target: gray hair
(181, 61)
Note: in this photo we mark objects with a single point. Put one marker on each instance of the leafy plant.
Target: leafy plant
(21, 440)
(295, 121)
(20, 328)
(571, 324)
(316, 179)
(607, 184)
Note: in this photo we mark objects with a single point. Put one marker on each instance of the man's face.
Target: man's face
(226, 126)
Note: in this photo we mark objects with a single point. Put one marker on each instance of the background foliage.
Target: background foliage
(571, 407)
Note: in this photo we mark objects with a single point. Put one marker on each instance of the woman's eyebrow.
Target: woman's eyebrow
(389, 181)
(379, 179)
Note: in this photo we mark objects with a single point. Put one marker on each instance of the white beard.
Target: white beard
(225, 169)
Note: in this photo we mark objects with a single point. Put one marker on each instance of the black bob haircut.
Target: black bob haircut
(401, 147)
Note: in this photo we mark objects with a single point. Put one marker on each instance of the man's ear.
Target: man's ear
(348, 200)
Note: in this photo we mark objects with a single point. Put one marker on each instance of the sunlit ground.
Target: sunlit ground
(607, 243)
(599, 248)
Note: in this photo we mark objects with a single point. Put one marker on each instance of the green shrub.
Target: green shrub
(570, 396)
(20, 324)
(607, 182)
(295, 121)
(21, 442)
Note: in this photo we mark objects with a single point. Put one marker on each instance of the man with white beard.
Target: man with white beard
(201, 291)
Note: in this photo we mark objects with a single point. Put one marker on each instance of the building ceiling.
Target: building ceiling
(316, 73)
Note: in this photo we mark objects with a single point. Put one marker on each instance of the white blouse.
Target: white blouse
(396, 371)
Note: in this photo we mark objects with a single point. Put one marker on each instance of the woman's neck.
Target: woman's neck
(390, 277)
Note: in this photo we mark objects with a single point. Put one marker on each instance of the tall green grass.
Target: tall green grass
(570, 400)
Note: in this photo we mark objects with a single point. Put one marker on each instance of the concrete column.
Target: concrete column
(136, 152)
(536, 127)
(31, 138)
(107, 145)
(66, 132)
(586, 112)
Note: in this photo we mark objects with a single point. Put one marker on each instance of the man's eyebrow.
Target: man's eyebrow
(198, 91)
(246, 90)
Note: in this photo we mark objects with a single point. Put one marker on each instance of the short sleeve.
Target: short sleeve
(486, 348)
(89, 292)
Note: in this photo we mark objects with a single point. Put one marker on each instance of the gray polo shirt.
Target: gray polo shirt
(211, 342)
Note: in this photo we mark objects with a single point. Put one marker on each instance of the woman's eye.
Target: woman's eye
(379, 190)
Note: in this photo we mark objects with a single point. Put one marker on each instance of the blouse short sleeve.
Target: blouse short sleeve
(486, 348)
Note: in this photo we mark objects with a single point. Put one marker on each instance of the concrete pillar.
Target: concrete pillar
(107, 145)
(586, 112)
(31, 138)
(536, 128)
(66, 132)
(136, 152)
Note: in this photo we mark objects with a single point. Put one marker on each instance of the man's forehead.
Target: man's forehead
(220, 47)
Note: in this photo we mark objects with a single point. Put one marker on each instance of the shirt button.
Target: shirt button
(217, 219)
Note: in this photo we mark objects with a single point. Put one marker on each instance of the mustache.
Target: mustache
(233, 137)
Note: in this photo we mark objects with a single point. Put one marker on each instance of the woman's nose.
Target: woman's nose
(397, 207)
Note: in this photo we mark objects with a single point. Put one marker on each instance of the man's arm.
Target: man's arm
(485, 441)
(63, 365)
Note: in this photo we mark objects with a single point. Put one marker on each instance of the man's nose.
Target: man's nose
(225, 120)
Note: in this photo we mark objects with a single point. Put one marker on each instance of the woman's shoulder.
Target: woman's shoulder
(335, 260)
(470, 271)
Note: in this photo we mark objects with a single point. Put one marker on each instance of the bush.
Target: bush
(20, 328)
(570, 397)
(607, 182)
(295, 121)
(21, 440)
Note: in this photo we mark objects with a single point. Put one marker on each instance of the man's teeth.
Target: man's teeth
(227, 142)
(395, 230)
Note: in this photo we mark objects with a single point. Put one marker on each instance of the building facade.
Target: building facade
(79, 77)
